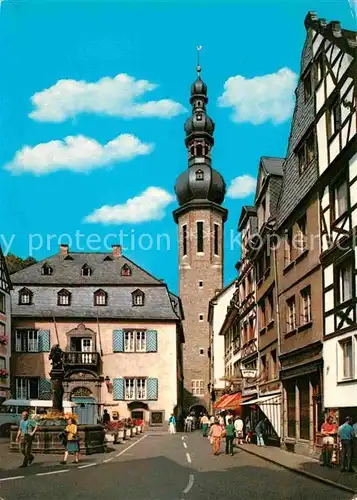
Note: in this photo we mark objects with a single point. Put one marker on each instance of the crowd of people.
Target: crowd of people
(347, 439)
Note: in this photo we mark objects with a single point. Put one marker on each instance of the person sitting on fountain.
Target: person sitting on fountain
(72, 445)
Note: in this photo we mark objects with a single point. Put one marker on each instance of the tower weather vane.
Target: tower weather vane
(199, 48)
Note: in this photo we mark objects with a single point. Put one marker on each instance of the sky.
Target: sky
(93, 99)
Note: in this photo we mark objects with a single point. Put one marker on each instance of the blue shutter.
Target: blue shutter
(152, 389)
(118, 340)
(151, 341)
(44, 341)
(45, 389)
(118, 389)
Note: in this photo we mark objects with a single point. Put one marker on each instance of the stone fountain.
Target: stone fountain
(47, 438)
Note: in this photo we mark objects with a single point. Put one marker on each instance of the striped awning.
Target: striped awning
(229, 402)
(220, 401)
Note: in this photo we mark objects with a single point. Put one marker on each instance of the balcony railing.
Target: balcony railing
(81, 358)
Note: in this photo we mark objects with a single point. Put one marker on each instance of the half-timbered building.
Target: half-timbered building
(5, 329)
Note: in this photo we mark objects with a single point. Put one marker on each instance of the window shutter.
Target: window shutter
(118, 389)
(45, 389)
(152, 389)
(118, 340)
(44, 341)
(151, 341)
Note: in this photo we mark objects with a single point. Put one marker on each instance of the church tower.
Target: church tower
(200, 191)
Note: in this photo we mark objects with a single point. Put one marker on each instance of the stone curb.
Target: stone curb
(301, 472)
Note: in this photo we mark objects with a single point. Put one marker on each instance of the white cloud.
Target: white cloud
(262, 98)
(147, 206)
(76, 153)
(108, 96)
(241, 187)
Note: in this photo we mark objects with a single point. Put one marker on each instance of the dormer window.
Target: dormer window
(138, 298)
(69, 257)
(100, 298)
(25, 297)
(125, 270)
(199, 175)
(46, 270)
(64, 297)
(86, 270)
(192, 150)
(108, 259)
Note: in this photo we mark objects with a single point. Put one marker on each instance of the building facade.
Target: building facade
(200, 191)
(5, 329)
(119, 328)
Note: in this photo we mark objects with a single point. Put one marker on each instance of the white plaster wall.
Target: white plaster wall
(337, 395)
(219, 315)
(334, 148)
(322, 139)
(316, 44)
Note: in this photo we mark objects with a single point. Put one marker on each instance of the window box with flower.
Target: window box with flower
(114, 431)
(4, 339)
(4, 373)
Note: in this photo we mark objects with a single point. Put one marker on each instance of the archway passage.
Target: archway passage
(197, 410)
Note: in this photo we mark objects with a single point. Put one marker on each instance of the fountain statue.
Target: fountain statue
(57, 377)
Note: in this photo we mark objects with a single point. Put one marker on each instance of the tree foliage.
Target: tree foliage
(15, 263)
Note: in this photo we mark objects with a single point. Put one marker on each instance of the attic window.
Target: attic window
(100, 298)
(125, 270)
(138, 298)
(174, 304)
(86, 270)
(25, 297)
(46, 270)
(64, 298)
(107, 258)
(199, 175)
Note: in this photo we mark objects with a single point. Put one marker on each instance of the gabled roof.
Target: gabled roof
(68, 272)
(247, 211)
(268, 167)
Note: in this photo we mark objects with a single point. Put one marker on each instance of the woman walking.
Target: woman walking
(172, 424)
(215, 433)
(72, 444)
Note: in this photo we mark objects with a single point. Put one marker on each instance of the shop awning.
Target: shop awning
(220, 401)
(270, 406)
(229, 402)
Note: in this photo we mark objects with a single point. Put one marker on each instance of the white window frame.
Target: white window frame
(2, 363)
(135, 341)
(140, 341)
(291, 314)
(100, 298)
(138, 299)
(22, 388)
(305, 297)
(135, 389)
(25, 298)
(197, 387)
(63, 299)
(342, 369)
(31, 340)
(345, 273)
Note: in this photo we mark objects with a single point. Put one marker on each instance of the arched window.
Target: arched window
(199, 175)
(86, 270)
(25, 297)
(192, 150)
(138, 298)
(46, 270)
(64, 297)
(125, 270)
(100, 298)
(199, 150)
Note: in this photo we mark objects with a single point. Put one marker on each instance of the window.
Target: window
(199, 117)
(27, 388)
(302, 240)
(273, 365)
(344, 276)
(347, 359)
(26, 341)
(125, 270)
(199, 175)
(2, 363)
(320, 68)
(199, 150)
(216, 239)
(201, 317)
(25, 297)
(135, 388)
(306, 316)
(262, 317)
(198, 388)
(86, 271)
(334, 118)
(100, 298)
(288, 247)
(307, 86)
(2, 303)
(184, 239)
(202, 351)
(291, 404)
(46, 270)
(64, 298)
(264, 367)
(200, 284)
(340, 198)
(306, 152)
(199, 236)
(304, 398)
(135, 341)
(138, 298)
(291, 314)
(271, 306)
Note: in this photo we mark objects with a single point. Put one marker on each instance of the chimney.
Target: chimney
(116, 249)
(336, 28)
(64, 250)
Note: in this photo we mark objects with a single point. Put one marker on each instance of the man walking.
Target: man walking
(346, 434)
(229, 432)
(328, 430)
(239, 426)
(205, 425)
(260, 431)
(172, 424)
(25, 434)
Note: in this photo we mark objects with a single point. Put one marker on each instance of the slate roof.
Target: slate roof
(247, 210)
(272, 166)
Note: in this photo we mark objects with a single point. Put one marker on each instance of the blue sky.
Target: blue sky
(76, 138)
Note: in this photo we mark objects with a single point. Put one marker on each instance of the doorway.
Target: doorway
(83, 345)
(137, 415)
(85, 410)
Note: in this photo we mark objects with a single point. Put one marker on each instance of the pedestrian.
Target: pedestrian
(25, 434)
(346, 435)
(221, 420)
(239, 426)
(72, 441)
(328, 430)
(106, 417)
(260, 431)
(248, 430)
(172, 424)
(188, 424)
(212, 419)
(227, 417)
(205, 425)
(215, 433)
(229, 433)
